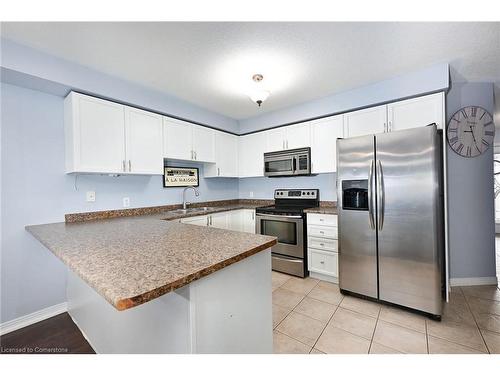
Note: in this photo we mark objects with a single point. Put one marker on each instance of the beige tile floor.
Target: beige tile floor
(312, 316)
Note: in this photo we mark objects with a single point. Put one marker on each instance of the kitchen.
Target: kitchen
(98, 173)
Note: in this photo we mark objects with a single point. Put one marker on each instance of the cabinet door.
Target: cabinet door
(226, 154)
(248, 221)
(235, 220)
(177, 139)
(143, 142)
(203, 144)
(366, 121)
(298, 135)
(251, 155)
(219, 220)
(324, 134)
(275, 139)
(416, 112)
(98, 135)
(196, 220)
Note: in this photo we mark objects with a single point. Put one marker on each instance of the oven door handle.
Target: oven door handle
(280, 216)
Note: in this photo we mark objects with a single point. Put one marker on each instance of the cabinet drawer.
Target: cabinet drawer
(322, 231)
(322, 243)
(322, 219)
(323, 262)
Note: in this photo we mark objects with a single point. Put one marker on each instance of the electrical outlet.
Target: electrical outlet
(90, 196)
(126, 202)
(251, 194)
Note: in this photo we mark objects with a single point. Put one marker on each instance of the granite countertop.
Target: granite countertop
(132, 260)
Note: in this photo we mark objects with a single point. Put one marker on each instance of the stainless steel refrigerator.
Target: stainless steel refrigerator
(390, 217)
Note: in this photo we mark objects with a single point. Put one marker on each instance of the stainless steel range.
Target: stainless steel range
(286, 220)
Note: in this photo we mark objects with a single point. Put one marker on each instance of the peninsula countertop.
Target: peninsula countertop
(132, 260)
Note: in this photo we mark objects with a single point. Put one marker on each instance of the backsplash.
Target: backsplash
(263, 187)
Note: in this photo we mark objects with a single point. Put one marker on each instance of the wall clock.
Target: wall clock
(470, 131)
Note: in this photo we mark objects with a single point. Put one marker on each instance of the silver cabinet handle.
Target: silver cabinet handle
(195, 155)
(192, 155)
(210, 220)
(283, 144)
(287, 144)
(208, 223)
(381, 197)
(322, 262)
(218, 171)
(321, 232)
(321, 244)
(370, 196)
(253, 215)
(130, 166)
(123, 166)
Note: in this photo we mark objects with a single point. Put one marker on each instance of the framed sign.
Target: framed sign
(180, 177)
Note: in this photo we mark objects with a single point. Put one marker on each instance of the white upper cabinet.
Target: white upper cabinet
(366, 121)
(177, 139)
(203, 144)
(288, 137)
(143, 147)
(226, 156)
(94, 135)
(324, 134)
(251, 154)
(417, 112)
(185, 141)
(106, 137)
(298, 135)
(275, 139)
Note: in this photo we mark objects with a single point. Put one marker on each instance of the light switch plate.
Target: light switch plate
(126, 202)
(90, 196)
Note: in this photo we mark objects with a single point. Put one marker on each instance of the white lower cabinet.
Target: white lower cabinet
(196, 220)
(238, 220)
(323, 262)
(322, 246)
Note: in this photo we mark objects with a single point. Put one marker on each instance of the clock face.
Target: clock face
(470, 131)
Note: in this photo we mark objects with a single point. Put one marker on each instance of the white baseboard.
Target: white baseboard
(37, 316)
(470, 281)
(320, 276)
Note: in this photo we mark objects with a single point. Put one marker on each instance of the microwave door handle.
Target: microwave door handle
(381, 196)
(370, 196)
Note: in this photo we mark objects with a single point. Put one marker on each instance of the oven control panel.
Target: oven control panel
(296, 194)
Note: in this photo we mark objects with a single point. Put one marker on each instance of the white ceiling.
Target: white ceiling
(211, 64)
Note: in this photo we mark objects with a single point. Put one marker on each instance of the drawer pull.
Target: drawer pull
(322, 262)
(321, 232)
(321, 244)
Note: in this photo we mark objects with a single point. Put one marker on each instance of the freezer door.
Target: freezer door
(356, 215)
(409, 218)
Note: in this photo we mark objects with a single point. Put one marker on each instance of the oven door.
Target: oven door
(288, 229)
(279, 165)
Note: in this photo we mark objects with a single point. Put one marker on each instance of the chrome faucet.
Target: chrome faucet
(184, 203)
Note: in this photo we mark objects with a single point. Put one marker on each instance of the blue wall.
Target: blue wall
(471, 208)
(263, 188)
(35, 189)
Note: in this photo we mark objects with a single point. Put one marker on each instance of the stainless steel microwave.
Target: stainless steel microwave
(296, 162)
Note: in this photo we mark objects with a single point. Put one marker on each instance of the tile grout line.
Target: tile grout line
(426, 336)
(475, 321)
(326, 325)
(374, 329)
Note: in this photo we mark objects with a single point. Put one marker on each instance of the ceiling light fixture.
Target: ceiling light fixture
(258, 95)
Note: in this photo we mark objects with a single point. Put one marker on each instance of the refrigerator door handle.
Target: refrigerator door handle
(370, 196)
(381, 197)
